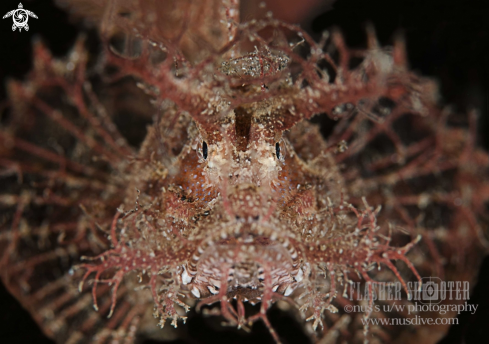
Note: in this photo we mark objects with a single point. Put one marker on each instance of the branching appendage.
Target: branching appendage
(236, 316)
(167, 301)
(381, 74)
(52, 73)
(74, 182)
(156, 270)
(359, 251)
(228, 213)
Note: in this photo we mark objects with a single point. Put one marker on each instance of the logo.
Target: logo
(20, 17)
(430, 290)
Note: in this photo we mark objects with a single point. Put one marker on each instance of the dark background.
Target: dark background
(448, 40)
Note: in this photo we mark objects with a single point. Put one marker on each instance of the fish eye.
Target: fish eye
(280, 150)
(204, 149)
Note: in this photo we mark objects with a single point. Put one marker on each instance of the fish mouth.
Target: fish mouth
(243, 267)
(253, 269)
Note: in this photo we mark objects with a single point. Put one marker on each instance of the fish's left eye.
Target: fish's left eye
(204, 149)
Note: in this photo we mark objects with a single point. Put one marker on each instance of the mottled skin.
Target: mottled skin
(233, 194)
(235, 212)
(228, 218)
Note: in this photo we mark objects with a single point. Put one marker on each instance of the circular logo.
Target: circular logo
(20, 17)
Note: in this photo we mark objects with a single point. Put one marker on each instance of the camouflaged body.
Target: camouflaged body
(233, 196)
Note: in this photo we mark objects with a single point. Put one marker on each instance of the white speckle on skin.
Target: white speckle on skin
(288, 291)
(186, 279)
(300, 276)
(196, 292)
(212, 290)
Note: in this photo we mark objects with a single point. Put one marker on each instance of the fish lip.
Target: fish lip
(260, 244)
(244, 266)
